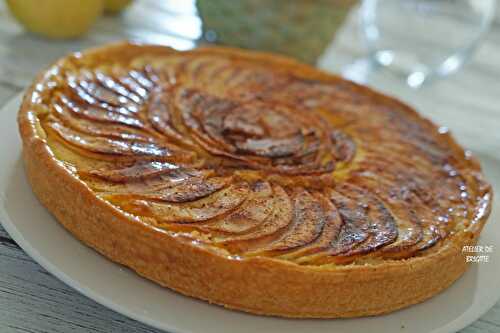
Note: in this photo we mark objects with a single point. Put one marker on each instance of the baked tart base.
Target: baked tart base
(261, 278)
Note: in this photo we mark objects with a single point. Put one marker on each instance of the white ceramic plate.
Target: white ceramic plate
(120, 289)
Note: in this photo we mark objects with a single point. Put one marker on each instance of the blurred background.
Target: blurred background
(405, 35)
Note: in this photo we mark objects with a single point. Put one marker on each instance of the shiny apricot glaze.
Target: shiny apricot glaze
(255, 160)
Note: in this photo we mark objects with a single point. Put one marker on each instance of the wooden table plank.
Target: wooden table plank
(32, 300)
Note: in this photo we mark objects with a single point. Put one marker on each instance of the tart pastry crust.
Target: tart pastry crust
(250, 180)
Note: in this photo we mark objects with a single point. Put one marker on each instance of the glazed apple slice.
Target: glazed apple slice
(97, 114)
(142, 79)
(344, 148)
(218, 75)
(125, 79)
(116, 131)
(308, 222)
(137, 171)
(194, 108)
(367, 226)
(275, 224)
(260, 135)
(249, 216)
(88, 82)
(109, 146)
(273, 148)
(380, 228)
(330, 232)
(412, 199)
(189, 190)
(154, 182)
(118, 88)
(355, 223)
(410, 229)
(217, 204)
(159, 113)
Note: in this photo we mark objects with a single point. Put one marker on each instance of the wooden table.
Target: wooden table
(32, 300)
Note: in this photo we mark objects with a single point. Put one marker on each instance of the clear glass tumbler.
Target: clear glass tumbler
(423, 39)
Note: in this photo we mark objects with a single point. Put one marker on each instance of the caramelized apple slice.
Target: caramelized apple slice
(93, 128)
(132, 85)
(186, 191)
(214, 74)
(81, 95)
(115, 86)
(275, 224)
(308, 222)
(249, 216)
(137, 171)
(91, 86)
(97, 114)
(215, 205)
(190, 190)
(411, 197)
(344, 148)
(355, 223)
(109, 146)
(273, 148)
(399, 202)
(142, 79)
(381, 227)
(155, 183)
(329, 234)
(263, 136)
(367, 226)
(194, 107)
(159, 114)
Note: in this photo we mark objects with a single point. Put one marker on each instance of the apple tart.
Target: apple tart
(250, 180)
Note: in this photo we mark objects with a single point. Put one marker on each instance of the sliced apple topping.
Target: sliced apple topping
(273, 226)
(330, 232)
(92, 92)
(249, 216)
(186, 191)
(213, 206)
(98, 114)
(91, 127)
(160, 114)
(137, 185)
(259, 161)
(109, 146)
(308, 221)
(142, 78)
(380, 228)
(264, 136)
(138, 170)
(118, 88)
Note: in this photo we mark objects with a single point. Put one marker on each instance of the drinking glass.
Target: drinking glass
(424, 39)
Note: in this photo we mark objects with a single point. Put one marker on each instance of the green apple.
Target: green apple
(115, 6)
(56, 18)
